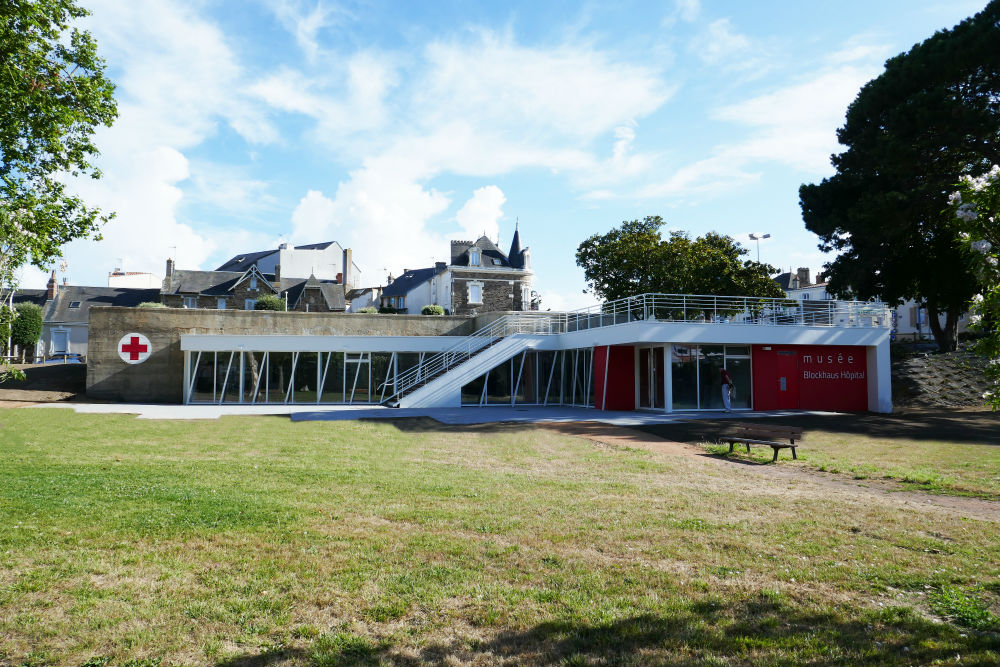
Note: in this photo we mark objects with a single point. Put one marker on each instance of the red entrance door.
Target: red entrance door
(788, 379)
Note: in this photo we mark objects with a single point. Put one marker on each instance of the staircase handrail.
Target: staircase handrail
(512, 323)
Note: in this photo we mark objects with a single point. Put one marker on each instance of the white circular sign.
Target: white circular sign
(134, 348)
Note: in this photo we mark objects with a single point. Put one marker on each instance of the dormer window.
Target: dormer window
(474, 256)
(497, 262)
(74, 304)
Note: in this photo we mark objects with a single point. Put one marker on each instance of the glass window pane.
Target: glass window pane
(333, 370)
(253, 366)
(498, 385)
(546, 381)
(279, 376)
(358, 382)
(710, 365)
(684, 377)
(305, 377)
(229, 378)
(473, 391)
(383, 375)
(204, 380)
(739, 369)
(738, 350)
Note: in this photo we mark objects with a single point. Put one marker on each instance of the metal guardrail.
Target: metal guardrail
(507, 325)
(710, 309)
(689, 308)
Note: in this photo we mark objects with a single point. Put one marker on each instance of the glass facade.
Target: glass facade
(236, 376)
(565, 377)
(562, 377)
(696, 376)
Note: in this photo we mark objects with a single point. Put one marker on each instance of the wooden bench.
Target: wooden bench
(764, 435)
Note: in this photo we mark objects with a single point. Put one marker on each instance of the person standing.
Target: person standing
(728, 389)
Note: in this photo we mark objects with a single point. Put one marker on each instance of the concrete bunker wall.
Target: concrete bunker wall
(160, 378)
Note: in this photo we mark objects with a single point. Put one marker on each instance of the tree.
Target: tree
(633, 259)
(26, 329)
(976, 206)
(930, 117)
(269, 302)
(53, 95)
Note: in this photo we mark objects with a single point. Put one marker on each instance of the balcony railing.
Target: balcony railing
(706, 309)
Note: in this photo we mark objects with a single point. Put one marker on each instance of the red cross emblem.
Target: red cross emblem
(134, 348)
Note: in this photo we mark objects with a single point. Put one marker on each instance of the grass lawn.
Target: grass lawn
(947, 452)
(258, 541)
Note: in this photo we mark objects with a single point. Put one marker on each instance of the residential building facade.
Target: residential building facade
(479, 277)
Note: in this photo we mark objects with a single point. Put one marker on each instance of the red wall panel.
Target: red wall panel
(826, 377)
(620, 378)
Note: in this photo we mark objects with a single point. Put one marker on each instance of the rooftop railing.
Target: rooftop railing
(707, 309)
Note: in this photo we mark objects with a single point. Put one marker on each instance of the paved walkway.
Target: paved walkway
(470, 415)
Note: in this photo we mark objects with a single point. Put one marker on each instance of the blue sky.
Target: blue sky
(395, 127)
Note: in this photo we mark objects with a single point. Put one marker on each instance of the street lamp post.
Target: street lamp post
(757, 237)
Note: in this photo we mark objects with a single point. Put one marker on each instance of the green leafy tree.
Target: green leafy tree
(930, 117)
(53, 96)
(432, 310)
(633, 259)
(26, 329)
(976, 206)
(269, 302)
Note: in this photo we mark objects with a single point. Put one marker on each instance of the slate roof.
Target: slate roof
(35, 296)
(59, 310)
(359, 292)
(402, 285)
(783, 280)
(460, 253)
(219, 283)
(246, 260)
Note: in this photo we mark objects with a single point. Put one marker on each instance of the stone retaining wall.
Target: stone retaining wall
(160, 378)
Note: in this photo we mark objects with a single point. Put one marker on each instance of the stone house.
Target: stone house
(478, 278)
(239, 290)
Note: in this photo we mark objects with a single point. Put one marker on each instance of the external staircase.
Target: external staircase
(434, 383)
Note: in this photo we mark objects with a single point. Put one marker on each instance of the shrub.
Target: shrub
(150, 304)
(371, 310)
(432, 310)
(26, 328)
(269, 302)
(387, 310)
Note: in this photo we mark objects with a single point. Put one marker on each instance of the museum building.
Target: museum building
(649, 352)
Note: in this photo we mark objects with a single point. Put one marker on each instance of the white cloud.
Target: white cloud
(481, 214)
(305, 22)
(177, 78)
(381, 217)
(687, 11)
(794, 125)
(719, 43)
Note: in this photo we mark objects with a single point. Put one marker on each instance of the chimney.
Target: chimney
(65, 281)
(340, 278)
(51, 287)
(440, 266)
(170, 267)
(277, 275)
(803, 274)
(348, 264)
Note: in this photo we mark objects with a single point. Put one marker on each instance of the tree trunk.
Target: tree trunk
(945, 336)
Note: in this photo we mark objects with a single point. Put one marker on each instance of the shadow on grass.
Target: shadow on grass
(976, 428)
(763, 630)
